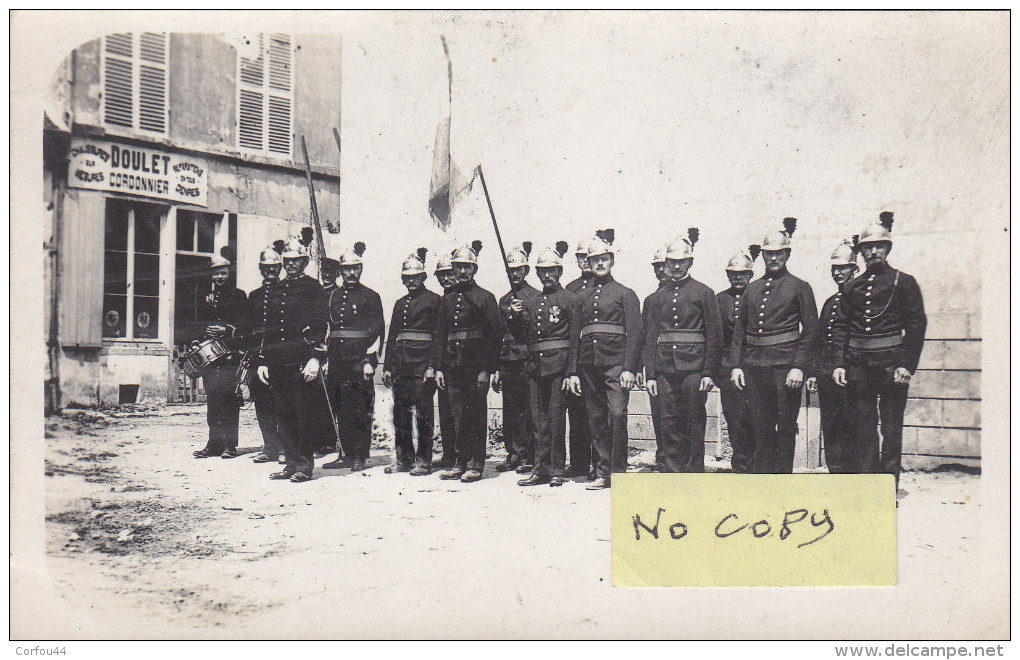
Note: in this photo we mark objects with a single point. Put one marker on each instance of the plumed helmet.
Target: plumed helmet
(352, 256)
(845, 253)
(219, 261)
(552, 256)
(444, 262)
(780, 239)
(744, 259)
(467, 254)
(682, 247)
(295, 249)
(415, 263)
(877, 232)
(270, 257)
(518, 256)
(329, 265)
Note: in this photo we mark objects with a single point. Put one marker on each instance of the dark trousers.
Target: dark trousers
(518, 429)
(325, 432)
(413, 411)
(447, 432)
(265, 412)
(837, 432)
(353, 400)
(773, 407)
(581, 453)
(738, 426)
(875, 399)
(547, 400)
(683, 421)
(222, 406)
(468, 408)
(293, 398)
(655, 406)
(606, 401)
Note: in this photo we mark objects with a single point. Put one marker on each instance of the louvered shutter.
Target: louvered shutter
(265, 96)
(118, 84)
(152, 82)
(280, 93)
(135, 81)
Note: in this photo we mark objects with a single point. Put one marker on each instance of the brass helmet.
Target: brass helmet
(552, 256)
(660, 256)
(845, 253)
(602, 243)
(683, 247)
(780, 239)
(219, 261)
(295, 249)
(270, 257)
(582, 247)
(744, 259)
(877, 232)
(444, 262)
(415, 262)
(352, 257)
(467, 254)
(518, 256)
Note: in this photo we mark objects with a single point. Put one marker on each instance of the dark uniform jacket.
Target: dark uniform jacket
(549, 328)
(413, 327)
(581, 284)
(608, 305)
(644, 310)
(880, 321)
(687, 305)
(778, 324)
(257, 316)
(830, 351)
(224, 306)
(514, 350)
(295, 322)
(355, 323)
(470, 331)
(729, 302)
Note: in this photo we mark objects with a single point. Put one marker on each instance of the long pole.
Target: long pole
(495, 225)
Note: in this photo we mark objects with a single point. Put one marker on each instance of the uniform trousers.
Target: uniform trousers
(447, 432)
(353, 401)
(655, 406)
(293, 399)
(265, 412)
(876, 399)
(837, 429)
(773, 407)
(683, 421)
(548, 413)
(222, 406)
(518, 429)
(468, 409)
(413, 410)
(582, 456)
(606, 401)
(325, 432)
(738, 426)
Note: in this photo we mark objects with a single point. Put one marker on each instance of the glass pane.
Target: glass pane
(114, 308)
(115, 271)
(147, 274)
(146, 317)
(147, 217)
(185, 230)
(116, 224)
(206, 232)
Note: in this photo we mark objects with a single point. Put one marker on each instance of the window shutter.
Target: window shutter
(152, 82)
(118, 78)
(265, 96)
(135, 81)
(280, 84)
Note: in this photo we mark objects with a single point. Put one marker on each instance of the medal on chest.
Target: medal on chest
(554, 314)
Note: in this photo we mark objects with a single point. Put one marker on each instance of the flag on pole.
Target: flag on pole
(448, 183)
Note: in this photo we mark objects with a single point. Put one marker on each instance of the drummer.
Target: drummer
(219, 315)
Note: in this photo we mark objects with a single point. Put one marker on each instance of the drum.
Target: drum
(196, 360)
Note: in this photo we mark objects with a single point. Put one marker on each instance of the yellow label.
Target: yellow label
(743, 530)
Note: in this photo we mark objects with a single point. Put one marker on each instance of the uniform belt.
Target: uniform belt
(872, 343)
(549, 345)
(414, 335)
(465, 334)
(603, 329)
(772, 340)
(350, 334)
(682, 337)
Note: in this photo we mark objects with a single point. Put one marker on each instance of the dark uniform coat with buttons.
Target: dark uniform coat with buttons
(549, 315)
(653, 401)
(355, 323)
(257, 317)
(418, 313)
(518, 426)
(734, 401)
(581, 284)
(580, 433)
(832, 399)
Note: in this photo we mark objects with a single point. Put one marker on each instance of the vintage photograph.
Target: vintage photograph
(348, 323)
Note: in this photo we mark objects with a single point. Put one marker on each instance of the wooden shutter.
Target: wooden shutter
(118, 81)
(281, 66)
(135, 81)
(265, 96)
(81, 269)
(152, 79)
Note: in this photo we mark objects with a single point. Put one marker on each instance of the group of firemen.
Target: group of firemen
(308, 353)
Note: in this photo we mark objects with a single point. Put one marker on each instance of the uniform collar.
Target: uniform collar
(775, 276)
(556, 287)
(733, 290)
(878, 269)
(604, 280)
(676, 284)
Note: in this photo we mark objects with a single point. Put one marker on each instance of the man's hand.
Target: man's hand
(497, 382)
(517, 305)
(706, 384)
(639, 379)
(737, 378)
(574, 385)
(440, 380)
(263, 374)
(215, 331)
(311, 370)
(369, 371)
(652, 386)
(483, 380)
(324, 368)
(387, 379)
(812, 384)
(795, 378)
(839, 376)
(430, 374)
(627, 380)
(901, 376)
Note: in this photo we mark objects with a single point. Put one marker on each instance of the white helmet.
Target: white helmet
(467, 254)
(780, 239)
(683, 247)
(352, 257)
(878, 232)
(552, 256)
(518, 256)
(602, 243)
(295, 249)
(415, 263)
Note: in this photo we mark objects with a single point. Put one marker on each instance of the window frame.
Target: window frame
(129, 290)
(136, 61)
(265, 40)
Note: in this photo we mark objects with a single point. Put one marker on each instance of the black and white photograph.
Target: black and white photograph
(358, 325)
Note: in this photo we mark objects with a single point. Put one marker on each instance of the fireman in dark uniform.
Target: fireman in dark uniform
(609, 354)
(518, 428)
(325, 413)
(774, 343)
(270, 266)
(356, 330)
(290, 359)
(447, 280)
(548, 324)
(832, 399)
(659, 268)
(220, 315)
(581, 452)
(880, 321)
(408, 346)
(739, 271)
(683, 347)
(465, 358)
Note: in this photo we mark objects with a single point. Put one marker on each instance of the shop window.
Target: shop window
(265, 94)
(135, 79)
(131, 269)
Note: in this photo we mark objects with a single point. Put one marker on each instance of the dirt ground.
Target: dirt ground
(142, 540)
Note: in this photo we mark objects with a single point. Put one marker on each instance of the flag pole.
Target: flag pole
(495, 225)
(315, 207)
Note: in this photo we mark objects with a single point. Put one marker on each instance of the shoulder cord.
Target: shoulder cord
(889, 302)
